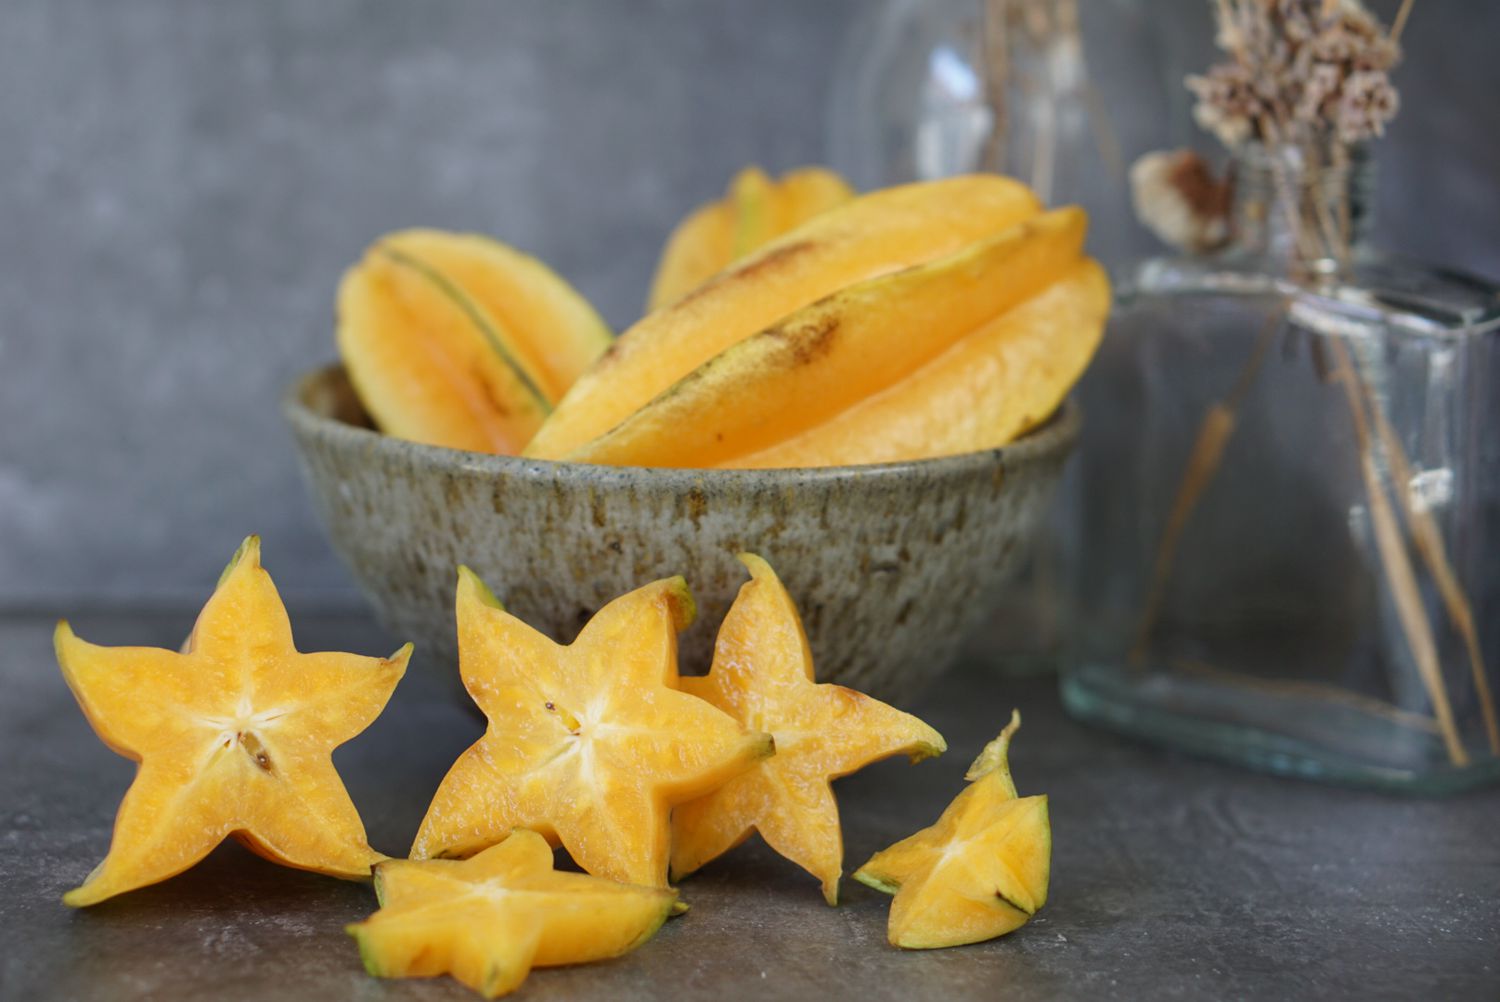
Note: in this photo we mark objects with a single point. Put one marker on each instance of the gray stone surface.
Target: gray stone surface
(1172, 878)
(181, 182)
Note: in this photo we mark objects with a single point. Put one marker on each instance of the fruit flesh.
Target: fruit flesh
(589, 744)
(429, 364)
(490, 919)
(828, 357)
(872, 235)
(555, 332)
(762, 675)
(985, 391)
(979, 872)
(233, 736)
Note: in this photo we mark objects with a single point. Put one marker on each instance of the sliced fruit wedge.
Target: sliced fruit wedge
(807, 192)
(754, 211)
(233, 736)
(752, 194)
(428, 362)
(979, 872)
(590, 744)
(701, 246)
(872, 235)
(763, 676)
(826, 358)
(552, 331)
(993, 386)
(490, 919)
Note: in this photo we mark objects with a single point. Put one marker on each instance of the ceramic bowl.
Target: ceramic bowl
(891, 565)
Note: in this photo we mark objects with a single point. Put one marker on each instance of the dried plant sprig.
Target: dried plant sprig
(1318, 69)
(1407, 596)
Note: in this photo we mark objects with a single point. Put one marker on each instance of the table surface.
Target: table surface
(1171, 878)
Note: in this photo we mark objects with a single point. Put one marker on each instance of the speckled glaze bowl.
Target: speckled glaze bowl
(891, 565)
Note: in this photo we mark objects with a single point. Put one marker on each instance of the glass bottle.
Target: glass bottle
(912, 99)
(1287, 546)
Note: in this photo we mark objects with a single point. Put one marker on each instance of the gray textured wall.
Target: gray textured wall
(181, 182)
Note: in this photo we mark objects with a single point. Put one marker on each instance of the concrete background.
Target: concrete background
(181, 182)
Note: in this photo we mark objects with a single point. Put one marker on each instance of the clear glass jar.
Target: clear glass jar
(1287, 546)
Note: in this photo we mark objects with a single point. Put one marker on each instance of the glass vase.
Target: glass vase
(1287, 546)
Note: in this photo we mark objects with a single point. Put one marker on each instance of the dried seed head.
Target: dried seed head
(1178, 197)
(1314, 69)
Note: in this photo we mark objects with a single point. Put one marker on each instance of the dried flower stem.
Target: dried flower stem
(1044, 154)
(1393, 556)
(1202, 466)
(1428, 538)
(1405, 592)
(1424, 530)
(1399, 24)
(1105, 139)
(996, 76)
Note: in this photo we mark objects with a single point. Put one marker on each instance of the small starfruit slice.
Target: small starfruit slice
(762, 675)
(490, 919)
(590, 744)
(754, 210)
(233, 735)
(981, 871)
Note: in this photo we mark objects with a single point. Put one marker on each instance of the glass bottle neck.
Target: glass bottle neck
(1301, 212)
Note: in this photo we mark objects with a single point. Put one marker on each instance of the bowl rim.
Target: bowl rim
(1055, 436)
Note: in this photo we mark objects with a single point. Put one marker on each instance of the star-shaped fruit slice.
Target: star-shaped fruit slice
(490, 919)
(981, 871)
(590, 744)
(233, 735)
(763, 676)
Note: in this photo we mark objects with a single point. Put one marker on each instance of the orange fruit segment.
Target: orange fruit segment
(490, 919)
(429, 363)
(763, 676)
(752, 194)
(979, 872)
(233, 736)
(701, 246)
(806, 192)
(590, 744)
(753, 211)
(993, 386)
(828, 357)
(553, 332)
(459, 340)
(871, 235)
